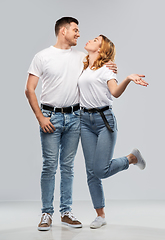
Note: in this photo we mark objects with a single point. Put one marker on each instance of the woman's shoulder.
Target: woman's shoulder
(107, 73)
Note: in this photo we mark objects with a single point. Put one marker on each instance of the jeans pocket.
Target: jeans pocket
(115, 123)
(111, 119)
(46, 113)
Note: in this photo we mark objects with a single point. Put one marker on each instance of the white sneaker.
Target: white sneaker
(141, 162)
(98, 222)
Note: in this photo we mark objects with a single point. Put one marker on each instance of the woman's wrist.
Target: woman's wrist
(128, 79)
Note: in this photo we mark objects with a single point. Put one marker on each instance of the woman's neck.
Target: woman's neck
(92, 58)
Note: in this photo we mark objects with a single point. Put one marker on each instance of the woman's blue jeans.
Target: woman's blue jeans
(98, 146)
(60, 145)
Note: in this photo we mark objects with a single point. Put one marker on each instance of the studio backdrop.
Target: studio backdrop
(137, 30)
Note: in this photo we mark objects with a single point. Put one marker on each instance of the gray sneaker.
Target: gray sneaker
(98, 222)
(140, 160)
(45, 223)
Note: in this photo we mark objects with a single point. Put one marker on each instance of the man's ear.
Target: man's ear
(63, 30)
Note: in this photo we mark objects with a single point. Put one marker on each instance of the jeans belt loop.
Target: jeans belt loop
(54, 110)
(72, 108)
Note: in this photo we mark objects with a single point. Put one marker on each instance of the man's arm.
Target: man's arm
(44, 122)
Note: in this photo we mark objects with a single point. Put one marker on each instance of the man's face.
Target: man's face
(72, 34)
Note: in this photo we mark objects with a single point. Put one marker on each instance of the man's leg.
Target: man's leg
(50, 151)
(69, 144)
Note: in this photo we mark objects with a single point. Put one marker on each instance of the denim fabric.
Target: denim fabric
(60, 145)
(98, 146)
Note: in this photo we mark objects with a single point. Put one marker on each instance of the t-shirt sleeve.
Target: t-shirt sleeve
(109, 74)
(36, 66)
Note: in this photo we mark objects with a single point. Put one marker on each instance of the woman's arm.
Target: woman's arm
(117, 90)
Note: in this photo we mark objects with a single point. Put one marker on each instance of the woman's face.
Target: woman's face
(94, 45)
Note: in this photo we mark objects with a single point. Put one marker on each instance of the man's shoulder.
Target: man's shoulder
(43, 52)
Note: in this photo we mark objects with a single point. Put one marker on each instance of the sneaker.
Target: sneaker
(98, 222)
(141, 162)
(46, 222)
(67, 218)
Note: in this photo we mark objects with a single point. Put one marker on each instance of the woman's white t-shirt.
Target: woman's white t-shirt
(94, 91)
(59, 70)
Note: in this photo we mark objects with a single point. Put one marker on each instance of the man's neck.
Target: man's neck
(62, 45)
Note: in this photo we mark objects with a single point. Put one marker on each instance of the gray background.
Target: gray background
(137, 29)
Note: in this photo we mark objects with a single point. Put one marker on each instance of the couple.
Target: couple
(68, 83)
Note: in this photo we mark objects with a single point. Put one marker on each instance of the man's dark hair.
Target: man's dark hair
(63, 21)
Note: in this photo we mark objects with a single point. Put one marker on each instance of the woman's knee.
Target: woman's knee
(99, 172)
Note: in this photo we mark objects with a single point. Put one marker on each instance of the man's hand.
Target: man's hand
(46, 125)
(112, 66)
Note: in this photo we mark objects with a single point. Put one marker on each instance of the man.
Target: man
(59, 68)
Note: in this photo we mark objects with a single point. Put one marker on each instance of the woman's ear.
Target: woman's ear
(98, 50)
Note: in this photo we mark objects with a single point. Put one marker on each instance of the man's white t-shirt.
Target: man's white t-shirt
(59, 70)
(94, 91)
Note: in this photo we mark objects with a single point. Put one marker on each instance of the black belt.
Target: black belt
(100, 110)
(61, 110)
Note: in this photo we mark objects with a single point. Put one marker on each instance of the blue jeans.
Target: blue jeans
(98, 146)
(61, 144)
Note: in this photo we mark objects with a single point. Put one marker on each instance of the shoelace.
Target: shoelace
(70, 215)
(45, 218)
(97, 219)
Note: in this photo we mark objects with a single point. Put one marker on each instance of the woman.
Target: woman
(97, 85)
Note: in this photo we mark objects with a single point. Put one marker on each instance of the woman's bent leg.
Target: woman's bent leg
(104, 165)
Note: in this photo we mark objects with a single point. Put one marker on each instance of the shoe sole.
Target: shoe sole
(71, 225)
(44, 228)
(99, 226)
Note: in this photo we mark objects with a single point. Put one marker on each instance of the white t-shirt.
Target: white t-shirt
(59, 70)
(94, 91)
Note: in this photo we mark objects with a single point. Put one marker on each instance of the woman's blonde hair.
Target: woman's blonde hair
(107, 52)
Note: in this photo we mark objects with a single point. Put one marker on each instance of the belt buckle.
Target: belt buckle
(90, 110)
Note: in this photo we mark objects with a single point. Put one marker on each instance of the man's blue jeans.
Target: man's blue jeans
(98, 146)
(61, 144)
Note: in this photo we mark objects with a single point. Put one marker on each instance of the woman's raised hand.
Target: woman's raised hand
(138, 79)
